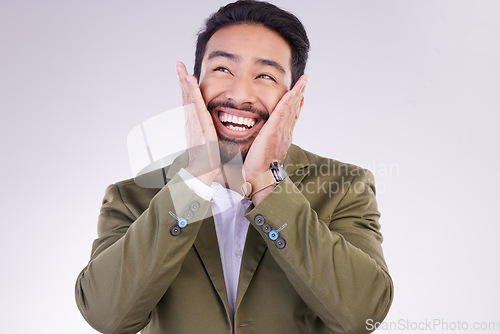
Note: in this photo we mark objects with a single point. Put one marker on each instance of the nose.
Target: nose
(242, 91)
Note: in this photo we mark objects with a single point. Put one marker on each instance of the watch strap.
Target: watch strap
(262, 181)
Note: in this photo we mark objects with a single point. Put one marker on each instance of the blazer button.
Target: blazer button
(175, 230)
(188, 214)
(280, 243)
(182, 222)
(194, 206)
(259, 220)
(273, 235)
(266, 228)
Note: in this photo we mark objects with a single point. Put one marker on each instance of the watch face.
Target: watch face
(278, 172)
(282, 171)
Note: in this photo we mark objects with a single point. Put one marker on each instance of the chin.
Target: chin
(232, 152)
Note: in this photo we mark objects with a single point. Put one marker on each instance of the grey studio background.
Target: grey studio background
(408, 89)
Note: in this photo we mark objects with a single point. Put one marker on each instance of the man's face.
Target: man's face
(245, 71)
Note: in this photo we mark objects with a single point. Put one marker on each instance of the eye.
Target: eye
(221, 69)
(266, 76)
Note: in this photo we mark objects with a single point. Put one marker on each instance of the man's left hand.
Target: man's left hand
(275, 137)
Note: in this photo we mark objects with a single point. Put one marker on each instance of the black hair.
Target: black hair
(261, 13)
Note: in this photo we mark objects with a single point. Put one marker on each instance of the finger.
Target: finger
(205, 121)
(192, 99)
(204, 118)
(296, 104)
(190, 88)
(280, 110)
(182, 75)
(276, 122)
(189, 112)
(297, 114)
(299, 101)
(290, 115)
(192, 121)
(300, 86)
(276, 125)
(296, 91)
(286, 121)
(196, 97)
(181, 70)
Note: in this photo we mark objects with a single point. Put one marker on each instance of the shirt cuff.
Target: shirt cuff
(198, 187)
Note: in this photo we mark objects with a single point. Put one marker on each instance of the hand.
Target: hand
(202, 141)
(275, 137)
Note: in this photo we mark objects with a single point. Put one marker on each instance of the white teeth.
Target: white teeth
(225, 117)
(236, 128)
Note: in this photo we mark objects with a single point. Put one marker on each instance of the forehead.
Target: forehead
(251, 41)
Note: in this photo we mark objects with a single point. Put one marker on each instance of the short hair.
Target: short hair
(261, 13)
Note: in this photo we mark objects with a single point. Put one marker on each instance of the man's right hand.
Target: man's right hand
(202, 141)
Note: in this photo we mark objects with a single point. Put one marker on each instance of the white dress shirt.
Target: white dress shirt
(231, 227)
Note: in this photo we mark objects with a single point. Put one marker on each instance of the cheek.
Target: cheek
(270, 98)
(207, 92)
(210, 89)
(206, 86)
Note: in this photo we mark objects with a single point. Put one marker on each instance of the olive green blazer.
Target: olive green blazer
(325, 273)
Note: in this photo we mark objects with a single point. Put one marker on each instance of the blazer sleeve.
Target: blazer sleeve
(335, 262)
(136, 257)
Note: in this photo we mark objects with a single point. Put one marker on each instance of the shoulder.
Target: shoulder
(135, 197)
(314, 165)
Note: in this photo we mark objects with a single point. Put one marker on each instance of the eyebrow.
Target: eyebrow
(224, 54)
(233, 57)
(268, 62)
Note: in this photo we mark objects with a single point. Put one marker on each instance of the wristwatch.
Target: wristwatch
(274, 175)
(278, 172)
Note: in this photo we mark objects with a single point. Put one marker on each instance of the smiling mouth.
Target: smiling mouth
(236, 123)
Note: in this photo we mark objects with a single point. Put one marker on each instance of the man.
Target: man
(234, 243)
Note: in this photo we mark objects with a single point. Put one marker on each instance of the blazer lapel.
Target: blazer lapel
(207, 248)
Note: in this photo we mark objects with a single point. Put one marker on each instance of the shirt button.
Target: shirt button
(239, 253)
